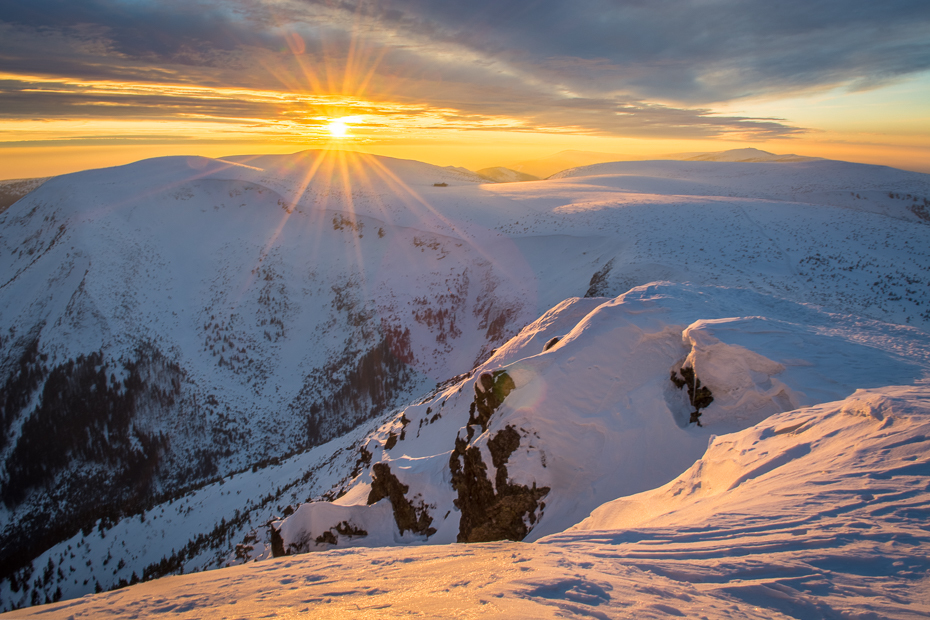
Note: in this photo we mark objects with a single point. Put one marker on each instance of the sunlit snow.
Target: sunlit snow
(796, 292)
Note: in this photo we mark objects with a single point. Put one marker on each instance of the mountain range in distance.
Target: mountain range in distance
(13, 189)
(529, 170)
(547, 166)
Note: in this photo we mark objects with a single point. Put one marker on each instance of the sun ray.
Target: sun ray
(292, 206)
(205, 172)
(348, 70)
(362, 87)
(349, 201)
(460, 231)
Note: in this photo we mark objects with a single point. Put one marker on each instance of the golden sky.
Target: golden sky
(104, 82)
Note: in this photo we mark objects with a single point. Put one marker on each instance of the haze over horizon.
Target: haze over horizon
(106, 82)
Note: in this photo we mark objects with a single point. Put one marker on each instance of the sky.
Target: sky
(91, 83)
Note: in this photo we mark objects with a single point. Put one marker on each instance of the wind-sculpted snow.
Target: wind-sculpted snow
(814, 513)
(539, 438)
(240, 312)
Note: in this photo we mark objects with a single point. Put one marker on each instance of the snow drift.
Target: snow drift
(811, 513)
(580, 408)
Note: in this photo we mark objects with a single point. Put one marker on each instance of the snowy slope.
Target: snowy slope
(559, 162)
(813, 513)
(237, 311)
(604, 385)
(866, 453)
(551, 164)
(196, 323)
(13, 189)
(745, 155)
(499, 174)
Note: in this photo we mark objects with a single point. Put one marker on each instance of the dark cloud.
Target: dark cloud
(187, 31)
(596, 65)
(691, 51)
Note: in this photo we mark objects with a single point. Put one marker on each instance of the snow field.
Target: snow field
(254, 273)
(817, 512)
(597, 414)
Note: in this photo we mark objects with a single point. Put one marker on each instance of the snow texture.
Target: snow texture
(796, 292)
(814, 513)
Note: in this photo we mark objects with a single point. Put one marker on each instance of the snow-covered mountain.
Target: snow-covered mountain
(564, 160)
(814, 513)
(171, 321)
(13, 189)
(499, 174)
(744, 155)
(495, 455)
(206, 325)
(549, 165)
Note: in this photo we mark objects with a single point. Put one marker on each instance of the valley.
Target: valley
(212, 362)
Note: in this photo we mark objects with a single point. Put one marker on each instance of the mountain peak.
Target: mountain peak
(748, 154)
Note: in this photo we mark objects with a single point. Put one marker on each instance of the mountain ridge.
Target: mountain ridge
(564, 160)
(224, 312)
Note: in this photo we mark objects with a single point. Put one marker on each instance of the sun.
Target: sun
(338, 128)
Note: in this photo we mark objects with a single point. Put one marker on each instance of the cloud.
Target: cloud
(634, 68)
(165, 30)
(692, 51)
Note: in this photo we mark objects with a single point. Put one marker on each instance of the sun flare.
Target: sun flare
(338, 128)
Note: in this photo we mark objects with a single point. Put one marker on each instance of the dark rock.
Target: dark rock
(490, 391)
(699, 396)
(597, 287)
(551, 343)
(363, 460)
(344, 529)
(404, 420)
(277, 543)
(407, 516)
(488, 514)
(501, 446)
(347, 529)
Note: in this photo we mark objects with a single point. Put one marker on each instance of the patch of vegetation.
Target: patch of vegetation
(597, 287)
(22, 382)
(365, 386)
(921, 211)
(83, 457)
(432, 244)
(340, 222)
(85, 416)
(497, 320)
